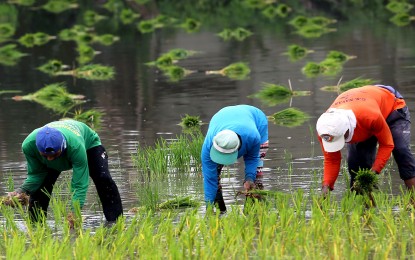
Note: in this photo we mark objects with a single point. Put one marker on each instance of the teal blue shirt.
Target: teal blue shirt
(79, 138)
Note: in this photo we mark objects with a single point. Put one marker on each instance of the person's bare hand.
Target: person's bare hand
(71, 220)
(325, 190)
(249, 185)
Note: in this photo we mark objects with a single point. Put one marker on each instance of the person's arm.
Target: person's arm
(383, 134)
(332, 163)
(251, 159)
(36, 174)
(210, 176)
(80, 177)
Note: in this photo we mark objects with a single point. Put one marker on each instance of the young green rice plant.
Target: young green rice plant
(238, 34)
(235, 71)
(366, 181)
(399, 6)
(354, 83)
(179, 202)
(59, 6)
(91, 72)
(402, 19)
(74, 33)
(281, 10)
(9, 55)
(149, 26)
(128, 16)
(298, 21)
(176, 73)
(190, 123)
(190, 25)
(321, 20)
(91, 117)
(54, 97)
(330, 67)
(179, 54)
(312, 69)
(314, 31)
(296, 52)
(86, 53)
(52, 67)
(106, 39)
(91, 17)
(7, 30)
(273, 94)
(339, 56)
(289, 117)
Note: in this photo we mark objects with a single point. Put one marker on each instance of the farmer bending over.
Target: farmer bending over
(60, 146)
(234, 131)
(365, 117)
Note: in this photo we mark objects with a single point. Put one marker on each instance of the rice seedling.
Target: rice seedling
(91, 17)
(236, 71)
(402, 19)
(366, 181)
(22, 2)
(7, 30)
(59, 6)
(354, 83)
(190, 123)
(128, 16)
(72, 34)
(22, 200)
(297, 52)
(339, 56)
(179, 202)
(176, 73)
(273, 94)
(9, 55)
(313, 31)
(190, 25)
(54, 97)
(281, 10)
(312, 69)
(238, 34)
(91, 72)
(298, 21)
(149, 26)
(399, 6)
(330, 67)
(179, 54)
(289, 117)
(86, 53)
(321, 20)
(91, 117)
(52, 67)
(106, 39)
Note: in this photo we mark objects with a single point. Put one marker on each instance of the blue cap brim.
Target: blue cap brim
(223, 158)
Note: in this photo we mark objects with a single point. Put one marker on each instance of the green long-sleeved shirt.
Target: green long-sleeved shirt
(79, 138)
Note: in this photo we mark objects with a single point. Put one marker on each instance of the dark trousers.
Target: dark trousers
(362, 155)
(98, 171)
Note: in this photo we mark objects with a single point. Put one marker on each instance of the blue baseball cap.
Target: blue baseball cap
(50, 140)
(225, 147)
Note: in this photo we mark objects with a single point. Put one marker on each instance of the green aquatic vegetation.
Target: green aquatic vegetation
(52, 67)
(236, 71)
(190, 123)
(91, 117)
(54, 97)
(86, 53)
(402, 19)
(354, 83)
(312, 69)
(59, 6)
(128, 16)
(91, 17)
(289, 117)
(273, 94)
(297, 52)
(339, 56)
(7, 30)
(106, 39)
(176, 73)
(91, 72)
(399, 6)
(238, 34)
(313, 30)
(298, 21)
(9, 55)
(190, 25)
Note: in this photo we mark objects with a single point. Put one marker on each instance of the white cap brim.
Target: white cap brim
(335, 145)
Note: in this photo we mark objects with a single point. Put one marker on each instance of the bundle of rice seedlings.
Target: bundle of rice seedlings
(237, 71)
(128, 16)
(22, 199)
(313, 30)
(106, 39)
(9, 55)
(86, 53)
(366, 181)
(176, 73)
(321, 20)
(339, 56)
(90, 117)
(289, 117)
(190, 122)
(91, 72)
(52, 67)
(7, 30)
(297, 52)
(59, 6)
(238, 34)
(91, 17)
(298, 21)
(354, 83)
(190, 25)
(22, 2)
(273, 94)
(257, 193)
(398, 7)
(312, 69)
(54, 97)
(179, 202)
(402, 19)
(179, 54)
(148, 26)
(330, 67)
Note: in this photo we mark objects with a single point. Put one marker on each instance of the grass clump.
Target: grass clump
(289, 117)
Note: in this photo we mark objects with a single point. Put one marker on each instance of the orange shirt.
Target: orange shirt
(371, 106)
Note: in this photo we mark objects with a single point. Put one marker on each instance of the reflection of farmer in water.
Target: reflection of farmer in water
(61, 146)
